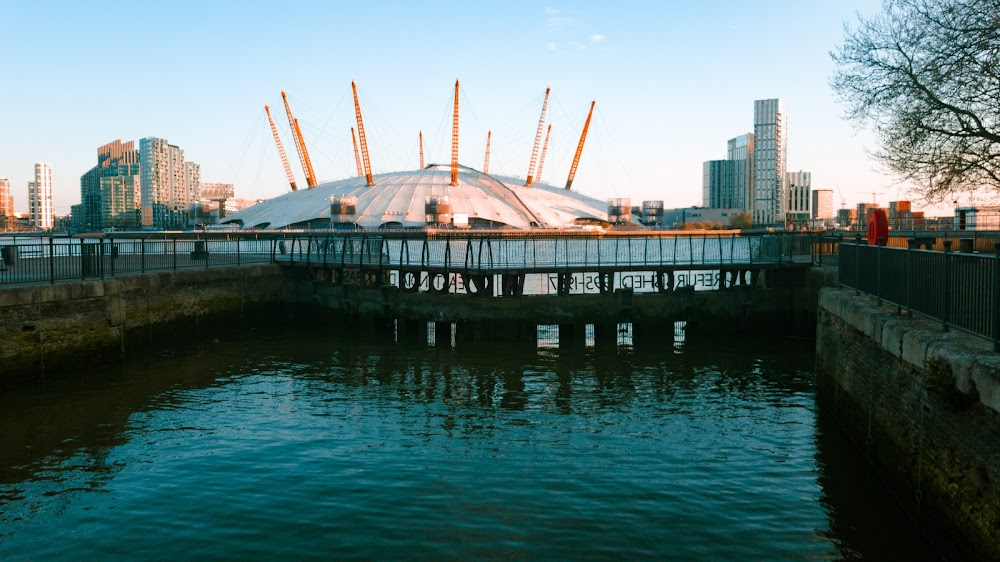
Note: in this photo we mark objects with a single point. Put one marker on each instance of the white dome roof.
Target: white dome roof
(397, 200)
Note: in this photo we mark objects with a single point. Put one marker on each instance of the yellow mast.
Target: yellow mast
(486, 161)
(361, 135)
(579, 147)
(300, 145)
(545, 147)
(454, 140)
(357, 157)
(538, 140)
(281, 150)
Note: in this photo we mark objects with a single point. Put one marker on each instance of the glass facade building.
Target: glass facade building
(6, 199)
(40, 197)
(110, 191)
(726, 183)
(822, 204)
(168, 184)
(798, 186)
(769, 157)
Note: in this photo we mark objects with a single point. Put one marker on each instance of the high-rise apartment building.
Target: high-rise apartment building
(740, 150)
(769, 156)
(797, 186)
(822, 204)
(168, 185)
(726, 183)
(6, 199)
(87, 217)
(192, 181)
(40, 197)
(717, 184)
(120, 184)
(110, 191)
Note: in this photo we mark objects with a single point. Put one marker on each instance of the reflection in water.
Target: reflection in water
(298, 443)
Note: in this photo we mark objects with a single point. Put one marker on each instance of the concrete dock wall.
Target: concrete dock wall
(924, 406)
(54, 326)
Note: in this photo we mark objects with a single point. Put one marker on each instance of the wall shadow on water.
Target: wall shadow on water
(857, 503)
(76, 418)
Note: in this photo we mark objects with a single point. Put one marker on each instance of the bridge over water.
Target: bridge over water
(503, 282)
(503, 263)
(499, 284)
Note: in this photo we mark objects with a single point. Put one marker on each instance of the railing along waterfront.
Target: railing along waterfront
(51, 259)
(536, 251)
(32, 260)
(959, 289)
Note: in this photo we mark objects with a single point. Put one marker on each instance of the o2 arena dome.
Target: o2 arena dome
(433, 196)
(418, 198)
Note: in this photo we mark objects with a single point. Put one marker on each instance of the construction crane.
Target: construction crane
(281, 149)
(486, 160)
(545, 147)
(579, 147)
(454, 140)
(538, 139)
(361, 135)
(421, 150)
(300, 145)
(357, 157)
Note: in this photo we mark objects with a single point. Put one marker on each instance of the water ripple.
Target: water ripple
(299, 448)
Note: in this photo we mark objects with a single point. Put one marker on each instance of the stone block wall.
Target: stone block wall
(53, 326)
(921, 403)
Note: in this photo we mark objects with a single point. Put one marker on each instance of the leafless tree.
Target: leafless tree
(925, 75)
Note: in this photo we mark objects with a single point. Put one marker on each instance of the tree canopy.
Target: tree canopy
(741, 221)
(925, 75)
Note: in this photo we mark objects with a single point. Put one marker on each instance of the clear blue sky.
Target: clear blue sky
(673, 81)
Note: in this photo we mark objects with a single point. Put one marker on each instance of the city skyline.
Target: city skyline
(654, 70)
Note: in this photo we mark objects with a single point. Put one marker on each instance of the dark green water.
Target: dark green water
(307, 444)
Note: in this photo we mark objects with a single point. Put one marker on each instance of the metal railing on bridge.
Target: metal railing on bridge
(534, 251)
(959, 289)
(27, 259)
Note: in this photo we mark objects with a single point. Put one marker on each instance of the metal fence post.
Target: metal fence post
(996, 297)
(52, 261)
(175, 253)
(857, 265)
(906, 283)
(142, 254)
(946, 312)
(878, 270)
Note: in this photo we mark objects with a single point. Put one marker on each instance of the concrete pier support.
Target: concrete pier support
(606, 335)
(473, 332)
(369, 325)
(411, 330)
(478, 332)
(442, 334)
(572, 335)
(650, 333)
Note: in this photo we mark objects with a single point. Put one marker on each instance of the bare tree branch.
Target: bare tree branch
(925, 76)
